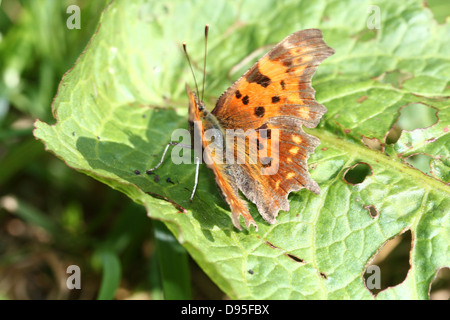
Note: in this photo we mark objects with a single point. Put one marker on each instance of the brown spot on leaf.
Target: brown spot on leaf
(176, 205)
(372, 143)
(363, 98)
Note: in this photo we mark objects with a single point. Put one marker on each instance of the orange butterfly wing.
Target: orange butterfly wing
(275, 93)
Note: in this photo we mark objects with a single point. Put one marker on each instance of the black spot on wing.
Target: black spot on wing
(287, 63)
(265, 132)
(259, 112)
(256, 76)
(259, 145)
(266, 162)
(245, 100)
(262, 127)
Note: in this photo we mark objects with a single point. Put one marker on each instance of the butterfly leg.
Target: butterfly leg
(164, 154)
(197, 163)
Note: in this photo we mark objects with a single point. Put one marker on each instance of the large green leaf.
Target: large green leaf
(116, 110)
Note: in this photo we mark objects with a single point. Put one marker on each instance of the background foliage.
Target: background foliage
(117, 107)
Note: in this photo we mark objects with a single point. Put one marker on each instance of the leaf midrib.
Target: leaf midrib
(430, 183)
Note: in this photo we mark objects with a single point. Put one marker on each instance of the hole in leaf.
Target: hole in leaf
(271, 245)
(412, 116)
(416, 116)
(357, 173)
(439, 9)
(295, 258)
(373, 212)
(420, 161)
(393, 134)
(390, 265)
(440, 286)
(396, 78)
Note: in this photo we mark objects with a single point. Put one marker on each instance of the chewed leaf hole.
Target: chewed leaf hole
(357, 173)
(412, 116)
(396, 78)
(373, 212)
(416, 116)
(440, 286)
(295, 258)
(437, 7)
(390, 266)
(420, 161)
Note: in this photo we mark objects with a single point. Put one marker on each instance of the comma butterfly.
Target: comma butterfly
(273, 100)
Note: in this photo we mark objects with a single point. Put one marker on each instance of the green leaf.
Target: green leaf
(111, 274)
(173, 265)
(117, 108)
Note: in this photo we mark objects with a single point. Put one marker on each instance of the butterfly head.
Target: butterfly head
(197, 109)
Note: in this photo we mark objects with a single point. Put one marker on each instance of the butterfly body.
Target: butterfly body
(200, 120)
(272, 100)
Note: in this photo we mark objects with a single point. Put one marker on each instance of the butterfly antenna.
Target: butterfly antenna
(190, 65)
(204, 63)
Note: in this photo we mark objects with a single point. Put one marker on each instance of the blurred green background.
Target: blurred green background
(52, 216)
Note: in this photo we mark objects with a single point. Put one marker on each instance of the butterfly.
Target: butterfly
(273, 100)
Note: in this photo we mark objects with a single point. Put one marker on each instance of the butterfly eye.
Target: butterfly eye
(201, 107)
